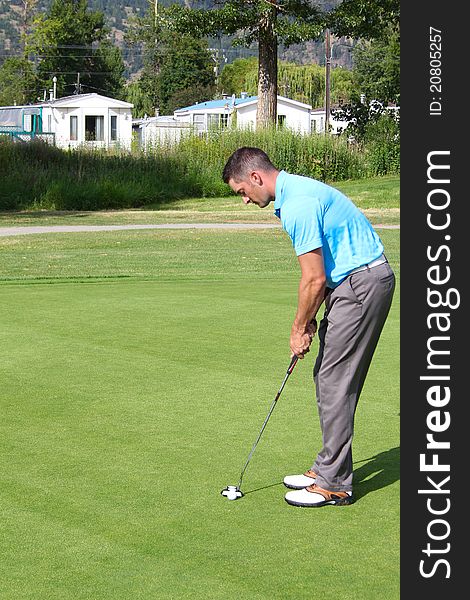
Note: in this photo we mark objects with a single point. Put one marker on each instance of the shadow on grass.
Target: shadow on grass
(378, 472)
(264, 487)
(28, 214)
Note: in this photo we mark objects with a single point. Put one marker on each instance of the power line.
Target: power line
(19, 53)
(75, 72)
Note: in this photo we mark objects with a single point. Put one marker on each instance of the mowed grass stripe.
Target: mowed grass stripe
(151, 254)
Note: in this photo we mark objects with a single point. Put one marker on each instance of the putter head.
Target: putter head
(232, 492)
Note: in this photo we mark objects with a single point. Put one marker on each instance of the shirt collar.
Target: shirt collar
(279, 193)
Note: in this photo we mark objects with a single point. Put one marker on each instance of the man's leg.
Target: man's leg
(355, 314)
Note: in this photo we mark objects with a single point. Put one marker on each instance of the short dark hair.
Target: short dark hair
(243, 161)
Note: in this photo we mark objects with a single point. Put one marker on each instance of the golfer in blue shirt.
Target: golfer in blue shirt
(343, 265)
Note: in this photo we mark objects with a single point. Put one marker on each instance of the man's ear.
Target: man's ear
(255, 178)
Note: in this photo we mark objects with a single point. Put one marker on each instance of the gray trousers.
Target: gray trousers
(355, 313)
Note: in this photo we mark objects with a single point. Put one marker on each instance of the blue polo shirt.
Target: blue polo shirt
(316, 215)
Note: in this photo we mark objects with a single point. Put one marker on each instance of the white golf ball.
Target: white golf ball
(231, 495)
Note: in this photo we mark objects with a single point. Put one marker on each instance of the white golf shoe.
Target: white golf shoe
(315, 496)
(299, 482)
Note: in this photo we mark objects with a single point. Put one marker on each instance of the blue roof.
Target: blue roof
(219, 103)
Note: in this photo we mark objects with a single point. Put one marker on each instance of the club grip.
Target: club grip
(293, 362)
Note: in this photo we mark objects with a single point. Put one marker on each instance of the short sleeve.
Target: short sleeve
(303, 221)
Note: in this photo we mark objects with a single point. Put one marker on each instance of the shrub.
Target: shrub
(35, 175)
(382, 146)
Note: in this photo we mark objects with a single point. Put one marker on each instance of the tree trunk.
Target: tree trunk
(267, 71)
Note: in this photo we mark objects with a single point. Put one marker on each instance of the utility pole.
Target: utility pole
(327, 79)
(215, 55)
(78, 86)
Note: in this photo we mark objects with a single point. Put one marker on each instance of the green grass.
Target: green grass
(379, 197)
(375, 192)
(137, 369)
(38, 176)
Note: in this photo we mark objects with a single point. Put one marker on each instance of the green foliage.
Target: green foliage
(233, 78)
(367, 19)
(360, 114)
(47, 177)
(178, 69)
(289, 22)
(135, 94)
(377, 131)
(254, 21)
(294, 20)
(382, 141)
(188, 96)
(377, 67)
(342, 84)
(318, 156)
(186, 74)
(109, 76)
(71, 39)
(18, 82)
(304, 83)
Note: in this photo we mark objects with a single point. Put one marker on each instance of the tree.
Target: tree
(140, 100)
(18, 83)
(305, 83)
(186, 75)
(270, 22)
(233, 77)
(188, 97)
(108, 77)
(368, 19)
(376, 61)
(265, 22)
(71, 39)
(377, 67)
(178, 69)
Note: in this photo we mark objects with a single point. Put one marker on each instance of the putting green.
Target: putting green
(128, 404)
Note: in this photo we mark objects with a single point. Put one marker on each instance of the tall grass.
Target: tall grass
(318, 156)
(38, 176)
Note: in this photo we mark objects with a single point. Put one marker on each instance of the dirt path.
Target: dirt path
(12, 231)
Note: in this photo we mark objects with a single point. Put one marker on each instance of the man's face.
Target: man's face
(252, 190)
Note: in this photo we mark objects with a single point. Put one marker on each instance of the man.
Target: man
(342, 264)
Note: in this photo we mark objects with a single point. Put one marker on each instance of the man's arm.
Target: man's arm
(311, 294)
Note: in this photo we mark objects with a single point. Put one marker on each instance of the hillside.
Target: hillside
(12, 23)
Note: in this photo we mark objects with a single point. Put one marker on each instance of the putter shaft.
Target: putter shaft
(289, 371)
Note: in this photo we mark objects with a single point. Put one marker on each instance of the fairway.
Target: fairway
(137, 370)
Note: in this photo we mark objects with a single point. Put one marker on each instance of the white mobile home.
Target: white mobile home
(83, 119)
(242, 113)
(159, 130)
(318, 116)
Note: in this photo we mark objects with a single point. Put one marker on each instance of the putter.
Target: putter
(233, 492)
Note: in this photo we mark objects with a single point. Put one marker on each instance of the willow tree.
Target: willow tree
(265, 22)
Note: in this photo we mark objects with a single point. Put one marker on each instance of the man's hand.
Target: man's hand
(300, 341)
